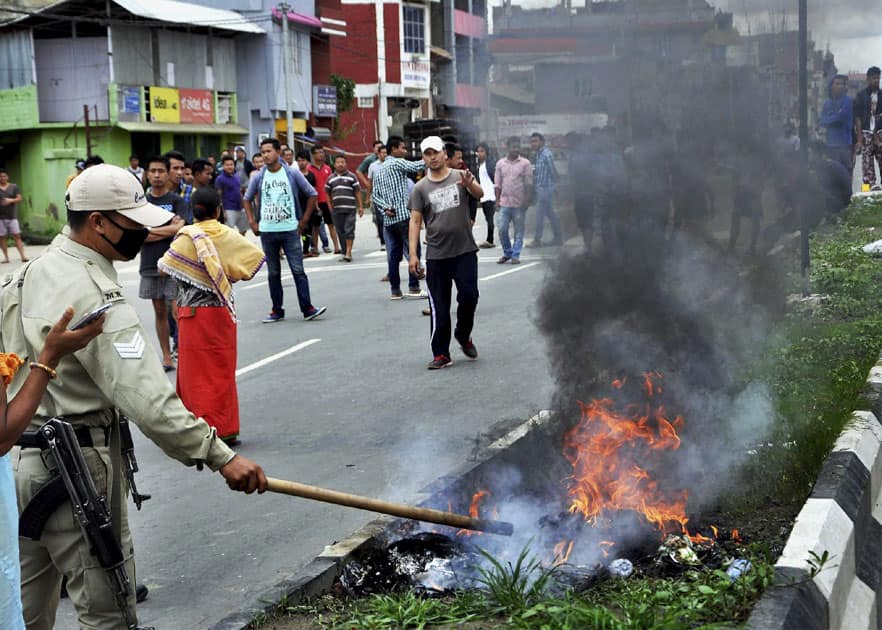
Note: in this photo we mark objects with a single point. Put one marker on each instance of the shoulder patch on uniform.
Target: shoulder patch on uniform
(134, 349)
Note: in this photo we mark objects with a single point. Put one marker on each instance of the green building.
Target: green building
(147, 79)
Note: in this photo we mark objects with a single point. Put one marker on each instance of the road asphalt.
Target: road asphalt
(344, 402)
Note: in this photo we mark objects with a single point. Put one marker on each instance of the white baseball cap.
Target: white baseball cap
(108, 188)
(432, 142)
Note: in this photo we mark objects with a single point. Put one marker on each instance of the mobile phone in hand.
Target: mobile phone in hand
(91, 317)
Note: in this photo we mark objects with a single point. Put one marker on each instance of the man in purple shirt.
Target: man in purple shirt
(514, 187)
(228, 187)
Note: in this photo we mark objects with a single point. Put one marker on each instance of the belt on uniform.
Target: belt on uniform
(85, 437)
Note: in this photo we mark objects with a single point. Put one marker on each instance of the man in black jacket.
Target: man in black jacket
(868, 125)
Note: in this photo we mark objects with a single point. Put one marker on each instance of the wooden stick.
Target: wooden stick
(428, 515)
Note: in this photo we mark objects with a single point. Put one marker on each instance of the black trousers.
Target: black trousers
(489, 208)
(441, 274)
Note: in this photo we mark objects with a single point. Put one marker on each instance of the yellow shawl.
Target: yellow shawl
(212, 256)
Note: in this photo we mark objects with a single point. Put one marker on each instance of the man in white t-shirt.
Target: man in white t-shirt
(486, 171)
(135, 168)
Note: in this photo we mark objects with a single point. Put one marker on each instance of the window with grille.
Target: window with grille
(414, 22)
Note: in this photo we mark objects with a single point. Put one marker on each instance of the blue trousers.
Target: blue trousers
(289, 242)
(507, 216)
(544, 209)
(398, 247)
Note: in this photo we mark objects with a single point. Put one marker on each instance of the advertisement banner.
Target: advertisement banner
(324, 99)
(130, 101)
(197, 106)
(164, 105)
(415, 74)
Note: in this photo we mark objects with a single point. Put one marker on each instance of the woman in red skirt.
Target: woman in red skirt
(207, 258)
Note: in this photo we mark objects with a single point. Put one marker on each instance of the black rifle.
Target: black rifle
(72, 480)
(130, 464)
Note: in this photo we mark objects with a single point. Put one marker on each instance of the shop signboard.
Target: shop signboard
(324, 99)
(415, 74)
(130, 101)
(164, 105)
(197, 106)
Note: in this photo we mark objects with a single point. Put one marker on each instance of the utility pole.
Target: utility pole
(382, 106)
(88, 131)
(803, 140)
(289, 124)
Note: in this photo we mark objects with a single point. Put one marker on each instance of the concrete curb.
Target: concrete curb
(841, 517)
(317, 578)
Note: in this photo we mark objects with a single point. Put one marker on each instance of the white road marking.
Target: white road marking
(275, 357)
(505, 273)
(351, 266)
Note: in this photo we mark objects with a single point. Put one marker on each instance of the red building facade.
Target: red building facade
(386, 58)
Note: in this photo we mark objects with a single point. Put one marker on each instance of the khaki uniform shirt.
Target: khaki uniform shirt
(117, 369)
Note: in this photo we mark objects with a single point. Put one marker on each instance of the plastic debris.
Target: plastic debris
(679, 550)
(621, 567)
(738, 568)
(874, 248)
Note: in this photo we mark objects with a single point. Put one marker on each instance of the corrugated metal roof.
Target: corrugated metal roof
(187, 13)
(170, 11)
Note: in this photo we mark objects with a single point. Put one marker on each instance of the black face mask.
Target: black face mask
(129, 244)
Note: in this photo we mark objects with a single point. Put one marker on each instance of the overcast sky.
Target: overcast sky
(853, 28)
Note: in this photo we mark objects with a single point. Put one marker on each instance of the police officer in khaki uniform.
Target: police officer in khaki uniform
(108, 217)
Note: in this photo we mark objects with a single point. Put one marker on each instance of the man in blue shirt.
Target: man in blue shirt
(544, 178)
(228, 187)
(837, 117)
(281, 220)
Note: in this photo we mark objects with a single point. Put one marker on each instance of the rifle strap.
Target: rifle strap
(116, 493)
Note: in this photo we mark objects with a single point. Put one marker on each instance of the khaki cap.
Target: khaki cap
(109, 188)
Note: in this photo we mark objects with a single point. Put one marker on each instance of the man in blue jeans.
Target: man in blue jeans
(281, 220)
(390, 194)
(513, 182)
(544, 177)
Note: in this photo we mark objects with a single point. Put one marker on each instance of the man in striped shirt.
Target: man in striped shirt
(390, 195)
(343, 199)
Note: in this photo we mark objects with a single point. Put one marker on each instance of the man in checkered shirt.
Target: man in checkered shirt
(390, 194)
(544, 178)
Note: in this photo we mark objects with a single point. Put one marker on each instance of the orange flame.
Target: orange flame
(473, 511)
(606, 547)
(736, 536)
(601, 449)
(715, 531)
(562, 551)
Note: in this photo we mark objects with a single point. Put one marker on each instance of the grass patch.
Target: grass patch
(817, 360)
(515, 596)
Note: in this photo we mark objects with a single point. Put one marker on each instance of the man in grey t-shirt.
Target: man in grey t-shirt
(441, 199)
(10, 197)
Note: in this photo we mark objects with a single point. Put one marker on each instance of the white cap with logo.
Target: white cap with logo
(109, 188)
(432, 142)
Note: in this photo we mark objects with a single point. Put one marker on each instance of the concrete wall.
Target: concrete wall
(18, 108)
(46, 159)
